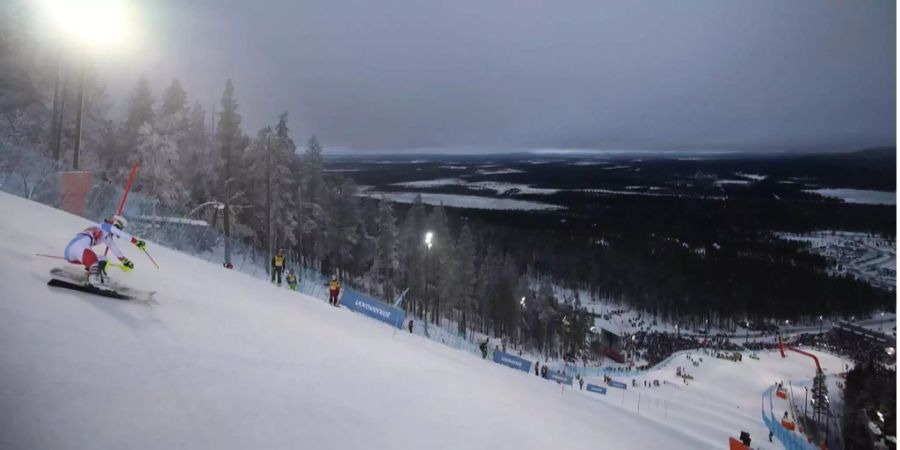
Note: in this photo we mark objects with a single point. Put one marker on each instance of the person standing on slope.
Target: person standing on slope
(334, 290)
(292, 280)
(278, 265)
(80, 248)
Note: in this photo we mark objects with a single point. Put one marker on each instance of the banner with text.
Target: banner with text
(512, 361)
(363, 304)
(617, 384)
(597, 389)
(560, 378)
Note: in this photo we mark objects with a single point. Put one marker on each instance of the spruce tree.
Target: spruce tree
(230, 141)
(174, 99)
(387, 251)
(141, 110)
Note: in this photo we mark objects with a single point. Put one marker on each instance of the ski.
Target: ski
(87, 288)
(79, 277)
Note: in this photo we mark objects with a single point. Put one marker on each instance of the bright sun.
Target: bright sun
(95, 23)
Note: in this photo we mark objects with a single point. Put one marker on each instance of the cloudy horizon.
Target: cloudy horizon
(509, 75)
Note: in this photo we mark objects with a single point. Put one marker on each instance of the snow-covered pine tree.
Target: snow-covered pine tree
(200, 161)
(313, 173)
(231, 142)
(441, 268)
(284, 208)
(312, 217)
(343, 231)
(141, 110)
(157, 154)
(412, 251)
(387, 251)
(174, 99)
(465, 275)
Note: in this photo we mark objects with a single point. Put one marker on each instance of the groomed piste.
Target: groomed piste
(226, 361)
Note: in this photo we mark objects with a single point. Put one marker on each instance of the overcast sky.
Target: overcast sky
(522, 74)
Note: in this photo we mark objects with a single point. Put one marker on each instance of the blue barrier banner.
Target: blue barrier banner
(512, 361)
(597, 389)
(560, 378)
(617, 384)
(363, 304)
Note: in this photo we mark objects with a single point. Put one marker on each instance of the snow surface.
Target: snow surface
(462, 201)
(752, 176)
(498, 171)
(728, 181)
(226, 361)
(723, 398)
(858, 196)
(499, 187)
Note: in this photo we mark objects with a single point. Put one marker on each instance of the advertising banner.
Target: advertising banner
(363, 304)
(512, 361)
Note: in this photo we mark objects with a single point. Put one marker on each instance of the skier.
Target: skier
(334, 290)
(80, 248)
(292, 280)
(278, 266)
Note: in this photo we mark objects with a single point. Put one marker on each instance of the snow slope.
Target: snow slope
(225, 361)
(724, 397)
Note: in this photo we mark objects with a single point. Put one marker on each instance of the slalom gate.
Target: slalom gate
(790, 440)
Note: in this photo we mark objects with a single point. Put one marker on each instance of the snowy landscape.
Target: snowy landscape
(223, 360)
(865, 257)
(448, 225)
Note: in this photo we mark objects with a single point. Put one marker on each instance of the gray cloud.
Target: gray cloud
(513, 74)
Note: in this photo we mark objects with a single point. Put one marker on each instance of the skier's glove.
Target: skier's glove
(127, 264)
(139, 243)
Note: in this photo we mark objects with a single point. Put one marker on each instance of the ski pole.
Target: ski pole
(118, 266)
(151, 258)
(49, 256)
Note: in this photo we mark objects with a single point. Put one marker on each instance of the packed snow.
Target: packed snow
(223, 360)
(858, 196)
(721, 397)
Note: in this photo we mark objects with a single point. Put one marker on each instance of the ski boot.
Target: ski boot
(97, 276)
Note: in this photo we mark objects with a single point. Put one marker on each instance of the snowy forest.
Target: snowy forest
(189, 157)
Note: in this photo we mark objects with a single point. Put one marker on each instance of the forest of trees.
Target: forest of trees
(475, 273)
(189, 156)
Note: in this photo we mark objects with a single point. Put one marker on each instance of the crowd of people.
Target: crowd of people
(856, 347)
(654, 346)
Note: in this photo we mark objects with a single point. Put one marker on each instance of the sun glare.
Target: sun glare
(94, 23)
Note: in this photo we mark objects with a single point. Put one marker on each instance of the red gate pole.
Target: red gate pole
(125, 195)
